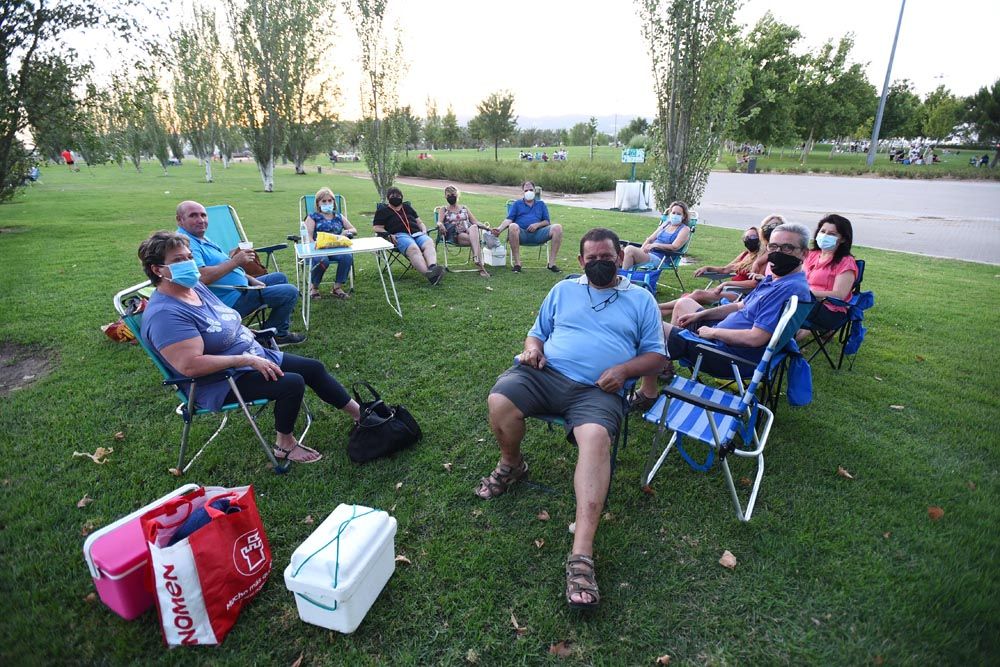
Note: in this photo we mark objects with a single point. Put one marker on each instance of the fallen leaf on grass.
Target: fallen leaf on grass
(446, 466)
(298, 661)
(336, 365)
(878, 661)
(472, 657)
(308, 519)
(608, 516)
(403, 559)
(935, 512)
(539, 543)
(90, 598)
(99, 456)
(919, 358)
(842, 471)
(6, 481)
(481, 440)
(815, 621)
(648, 490)
(897, 407)
(398, 335)
(87, 528)
(399, 485)
(970, 484)
(489, 289)
(83, 502)
(434, 305)
(543, 516)
(477, 513)
(561, 649)
(887, 534)
(176, 472)
(572, 527)
(120, 435)
(877, 378)
(663, 660)
(728, 560)
(518, 628)
(745, 482)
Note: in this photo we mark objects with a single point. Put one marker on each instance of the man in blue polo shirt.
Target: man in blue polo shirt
(590, 336)
(742, 328)
(225, 276)
(529, 224)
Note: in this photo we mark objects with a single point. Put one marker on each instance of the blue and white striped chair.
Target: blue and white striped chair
(728, 423)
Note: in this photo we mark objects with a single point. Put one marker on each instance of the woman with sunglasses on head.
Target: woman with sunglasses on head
(831, 270)
(326, 218)
(196, 334)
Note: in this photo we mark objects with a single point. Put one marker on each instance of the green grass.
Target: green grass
(831, 571)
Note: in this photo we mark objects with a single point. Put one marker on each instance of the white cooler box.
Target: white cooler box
(340, 569)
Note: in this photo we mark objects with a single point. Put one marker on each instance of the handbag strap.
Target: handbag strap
(371, 390)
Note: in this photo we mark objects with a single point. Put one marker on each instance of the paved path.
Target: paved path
(943, 218)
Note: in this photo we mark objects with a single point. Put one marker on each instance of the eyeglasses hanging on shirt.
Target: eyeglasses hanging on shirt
(598, 307)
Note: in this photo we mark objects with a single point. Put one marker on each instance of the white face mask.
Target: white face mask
(529, 195)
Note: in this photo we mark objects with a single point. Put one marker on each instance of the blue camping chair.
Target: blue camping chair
(128, 303)
(648, 273)
(542, 247)
(307, 205)
(728, 423)
(851, 333)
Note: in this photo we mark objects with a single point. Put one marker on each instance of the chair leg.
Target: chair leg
(654, 463)
(253, 424)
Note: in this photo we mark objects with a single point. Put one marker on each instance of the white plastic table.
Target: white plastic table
(633, 195)
(306, 254)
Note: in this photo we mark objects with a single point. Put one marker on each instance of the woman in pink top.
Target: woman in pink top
(831, 270)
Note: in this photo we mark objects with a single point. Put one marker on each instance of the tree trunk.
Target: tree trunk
(208, 169)
(267, 174)
(496, 150)
(996, 158)
(300, 166)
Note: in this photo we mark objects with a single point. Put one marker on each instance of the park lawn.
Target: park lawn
(831, 570)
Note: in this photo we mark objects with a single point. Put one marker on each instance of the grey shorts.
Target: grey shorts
(548, 392)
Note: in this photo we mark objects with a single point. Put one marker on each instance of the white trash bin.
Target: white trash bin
(340, 569)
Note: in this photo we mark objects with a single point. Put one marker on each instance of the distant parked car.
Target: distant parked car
(241, 153)
(348, 157)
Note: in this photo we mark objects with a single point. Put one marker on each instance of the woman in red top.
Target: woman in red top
(831, 270)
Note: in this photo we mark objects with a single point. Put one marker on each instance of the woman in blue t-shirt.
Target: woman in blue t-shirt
(196, 334)
(326, 218)
(669, 237)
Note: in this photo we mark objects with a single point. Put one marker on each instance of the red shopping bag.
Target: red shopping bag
(202, 580)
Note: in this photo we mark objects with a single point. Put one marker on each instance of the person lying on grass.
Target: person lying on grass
(742, 328)
(195, 334)
(591, 335)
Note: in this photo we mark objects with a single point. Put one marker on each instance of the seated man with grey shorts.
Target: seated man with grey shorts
(591, 335)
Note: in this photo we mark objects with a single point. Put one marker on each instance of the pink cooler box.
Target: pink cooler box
(119, 560)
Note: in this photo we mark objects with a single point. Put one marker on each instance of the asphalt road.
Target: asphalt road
(943, 218)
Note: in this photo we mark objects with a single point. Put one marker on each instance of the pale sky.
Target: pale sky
(563, 57)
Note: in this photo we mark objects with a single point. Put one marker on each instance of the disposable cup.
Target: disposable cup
(246, 245)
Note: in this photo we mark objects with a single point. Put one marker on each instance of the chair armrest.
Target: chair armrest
(704, 403)
(745, 363)
(181, 380)
(294, 238)
(272, 248)
(264, 335)
(714, 275)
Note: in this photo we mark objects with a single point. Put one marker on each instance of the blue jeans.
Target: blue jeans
(279, 296)
(404, 241)
(344, 264)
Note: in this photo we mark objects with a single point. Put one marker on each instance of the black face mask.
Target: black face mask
(451, 199)
(782, 264)
(752, 244)
(601, 272)
(395, 201)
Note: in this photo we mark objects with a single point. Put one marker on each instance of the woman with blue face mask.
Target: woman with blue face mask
(669, 237)
(326, 218)
(831, 269)
(196, 334)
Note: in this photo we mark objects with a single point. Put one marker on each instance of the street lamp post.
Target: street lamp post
(873, 147)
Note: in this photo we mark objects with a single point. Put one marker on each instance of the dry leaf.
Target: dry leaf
(298, 661)
(434, 305)
(398, 335)
(481, 440)
(935, 512)
(489, 289)
(446, 466)
(518, 628)
(308, 519)
(543, 516)
(745, 482)
(663, 660)
(539, 543)
(971, 485)
(403, 559)
(919, 358)
(897, 407)
(6, 481)
(887, 534)
(120, 435)
(561, 649)
(815, 621)
(472, 657)
(608, 516)
(477, 513)
(99, 456)
(572, 528)
(399, 485)
(878, 661)
(176, 472)
(648, 490)
(90, 598)
(336, 365)
(83, 502)
(728, 560)
(843, 473)
(877, 378)
(87, 528)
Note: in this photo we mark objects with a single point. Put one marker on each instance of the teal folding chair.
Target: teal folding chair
(451, 249)
(728, 423)
(226, 230)
(307, 205)
(647, 274)
(129, 303)
(542, 247)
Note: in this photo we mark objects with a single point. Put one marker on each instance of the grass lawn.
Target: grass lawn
(831, 570)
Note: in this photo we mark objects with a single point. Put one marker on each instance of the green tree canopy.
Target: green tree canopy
(903, 112)
(496, 120)
(942, 111)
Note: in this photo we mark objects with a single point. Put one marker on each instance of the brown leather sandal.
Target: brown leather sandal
(580, 579)
(501, 479)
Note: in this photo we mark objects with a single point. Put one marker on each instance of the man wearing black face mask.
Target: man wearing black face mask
(742, 328)
(590, 336)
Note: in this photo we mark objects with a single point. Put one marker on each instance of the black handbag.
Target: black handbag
(382, 431)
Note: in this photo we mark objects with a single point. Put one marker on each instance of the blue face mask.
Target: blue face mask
(326, 208)
(673, 218)
(826, 241)
(184, 273)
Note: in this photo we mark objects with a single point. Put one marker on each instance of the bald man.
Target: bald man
(225, 276)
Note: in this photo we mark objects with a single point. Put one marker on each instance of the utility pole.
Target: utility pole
(873, 147)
